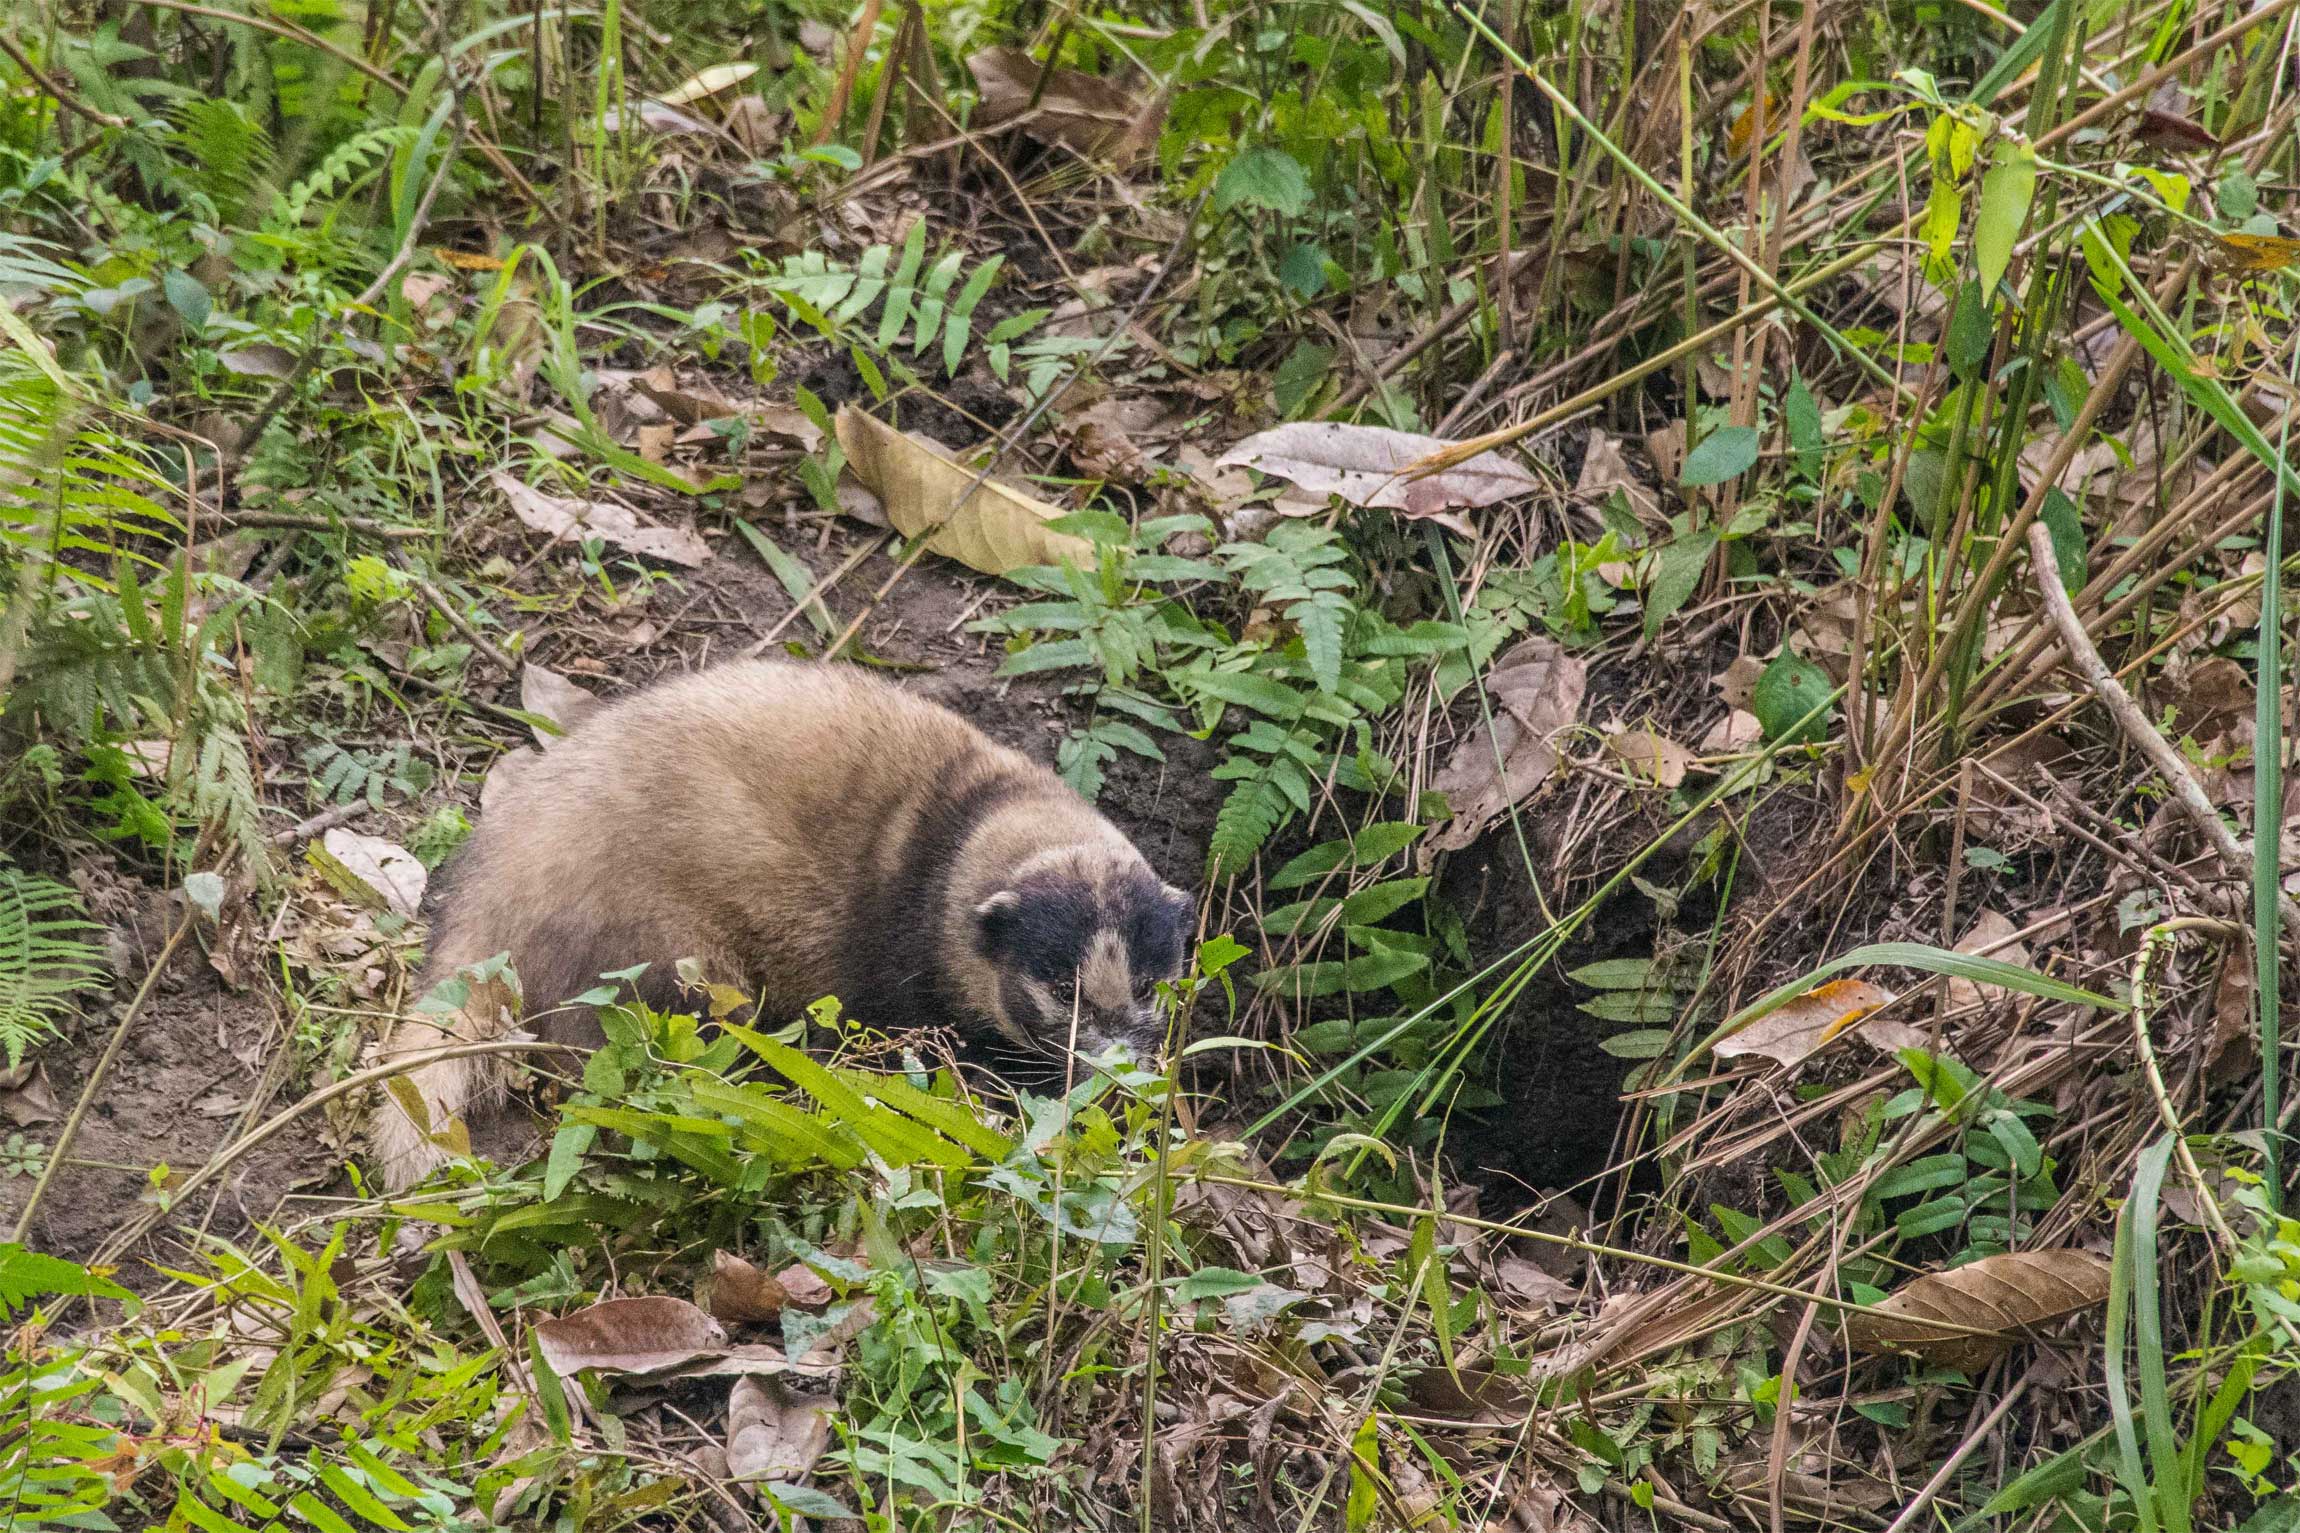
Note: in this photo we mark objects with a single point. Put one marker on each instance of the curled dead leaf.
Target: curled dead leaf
(1652, 758)
(1604, 470)
(571, 521)
(645, 1335)
(2006, 1297)
(739, 1293)
(1536, 690)
(994, 530)
(1989, 936)
(1365, 466)
(773, 1431)
(1790, 1033)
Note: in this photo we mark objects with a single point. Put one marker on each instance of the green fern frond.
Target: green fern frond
(1252, 813)
(44, 961)
(232, 150)
(347, 164)
(224, 796)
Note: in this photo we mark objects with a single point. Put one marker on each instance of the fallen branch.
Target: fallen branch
(2170, 765)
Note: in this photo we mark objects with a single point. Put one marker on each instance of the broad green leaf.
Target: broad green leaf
(1788, 690)
(2006, 192)
(1726, 453)
(1263, 178)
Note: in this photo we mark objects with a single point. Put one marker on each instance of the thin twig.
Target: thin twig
(56, 91)
(300, 521)
(1948, 1467)
(2187, 792)
(437, 598)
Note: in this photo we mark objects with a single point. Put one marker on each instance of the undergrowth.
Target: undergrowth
(1858, 547)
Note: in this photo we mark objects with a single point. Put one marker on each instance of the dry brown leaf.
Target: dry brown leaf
(686, 406)
(1986, 937)
(1652, 758)
(774, 1433)
(1737, 731)
(1536, 690)
(545, 692)
(1737, 683)
(629, 1336)
(1604, 469)
(2007, 1296)
(1522, 1279)
(739, 1293)
(923, 491)
(26, 1098)
(1090, 116)
(1790, 1033)
(1362, 465)
(389, 873)
(571, 521)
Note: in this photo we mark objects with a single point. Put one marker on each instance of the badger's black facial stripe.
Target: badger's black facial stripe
(1156, 923)
(1040, 929)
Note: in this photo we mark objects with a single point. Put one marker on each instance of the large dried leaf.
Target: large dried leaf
(993, 530)
(1363, 464)
(630, 1336)
(1536, 691)
(1080, 112)
(1790, 1033)
(774, 1432)
(2005, 1296)
(571, 521)
(380, 873)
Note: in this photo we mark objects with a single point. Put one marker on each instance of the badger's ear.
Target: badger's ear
(995, 922)
(1185, 906)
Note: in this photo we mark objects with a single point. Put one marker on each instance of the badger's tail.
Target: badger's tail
(407, 1148)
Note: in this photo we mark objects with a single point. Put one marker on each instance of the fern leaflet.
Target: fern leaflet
(44, 961)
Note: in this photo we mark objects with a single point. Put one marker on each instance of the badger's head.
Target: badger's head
(1077, 952)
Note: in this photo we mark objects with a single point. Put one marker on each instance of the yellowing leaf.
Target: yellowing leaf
(2250, 253)
(2005, 1296)
(708, 82)
(925, 494)
(1790, 1033)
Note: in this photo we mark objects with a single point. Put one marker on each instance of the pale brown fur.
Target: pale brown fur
(732, 816)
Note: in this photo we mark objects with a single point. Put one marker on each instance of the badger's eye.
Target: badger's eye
(1066, 991)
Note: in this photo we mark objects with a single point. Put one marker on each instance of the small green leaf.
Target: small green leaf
(1263, 178)
(1971, 329)
(1303, 271)
(1788, 690)
(189, 299)
(1726, 453)
(2060, 518)
(1677, 571)
(2237, 196)
(1802, 415)
(1299, 376)
(2006, 192)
